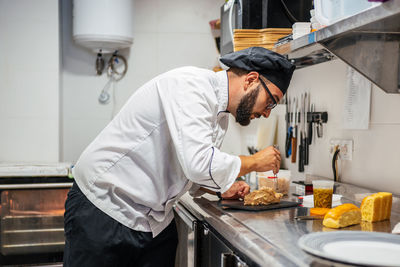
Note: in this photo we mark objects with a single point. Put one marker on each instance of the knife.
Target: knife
(309, 217)
(310, 127)
(294, 130)
(306, 133)
(288, 128)
(301, 146)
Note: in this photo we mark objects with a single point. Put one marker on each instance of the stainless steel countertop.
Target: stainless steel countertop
(270, 238)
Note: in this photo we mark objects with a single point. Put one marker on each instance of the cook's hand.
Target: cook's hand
(268, 159)
(238, 190)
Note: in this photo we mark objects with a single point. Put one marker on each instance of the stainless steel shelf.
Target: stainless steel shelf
(368, 41)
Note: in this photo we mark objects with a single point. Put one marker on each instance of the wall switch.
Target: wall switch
(345, 146)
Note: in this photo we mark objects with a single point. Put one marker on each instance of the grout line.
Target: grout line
(183, 32)
(384, 123)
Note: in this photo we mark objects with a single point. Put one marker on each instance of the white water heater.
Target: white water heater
(103, 25)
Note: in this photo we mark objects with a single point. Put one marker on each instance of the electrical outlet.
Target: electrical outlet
(345, 146)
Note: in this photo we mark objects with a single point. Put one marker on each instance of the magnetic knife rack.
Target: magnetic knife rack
(315, 117)
(318, 118)
(312, 117)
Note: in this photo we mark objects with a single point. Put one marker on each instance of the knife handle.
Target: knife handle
(301, 154)
(294, 149)
(301, 160)
(287, 145)
(288, 142)
(306, 151)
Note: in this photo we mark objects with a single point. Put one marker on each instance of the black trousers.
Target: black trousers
(95, 239)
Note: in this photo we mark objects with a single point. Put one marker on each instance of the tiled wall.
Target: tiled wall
(29, 81)
(167, 34)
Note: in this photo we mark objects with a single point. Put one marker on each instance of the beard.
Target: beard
(245, 107)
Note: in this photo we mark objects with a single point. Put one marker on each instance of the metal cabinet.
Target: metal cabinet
(187, 226)
(215, 252)
(200, 245)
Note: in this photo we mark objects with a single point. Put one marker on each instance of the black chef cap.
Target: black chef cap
(273, 66)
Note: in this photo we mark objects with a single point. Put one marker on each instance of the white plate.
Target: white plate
(355, 247)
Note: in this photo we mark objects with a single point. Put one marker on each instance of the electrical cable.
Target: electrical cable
(288, 13)
(113, 65)
(334, 163)
(104, 97)
(115, 74)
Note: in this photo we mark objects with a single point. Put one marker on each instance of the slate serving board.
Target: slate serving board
(239, 205)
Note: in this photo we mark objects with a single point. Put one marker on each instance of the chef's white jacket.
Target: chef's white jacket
(164, 139)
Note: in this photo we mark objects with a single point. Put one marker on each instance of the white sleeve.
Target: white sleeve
(195, 191)
(189, 107)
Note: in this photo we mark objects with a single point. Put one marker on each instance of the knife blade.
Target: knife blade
(288, 128)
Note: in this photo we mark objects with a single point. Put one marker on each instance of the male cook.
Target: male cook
(165, 139)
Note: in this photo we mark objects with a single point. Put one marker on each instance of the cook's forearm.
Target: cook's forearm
(248, 165)
(265, 160)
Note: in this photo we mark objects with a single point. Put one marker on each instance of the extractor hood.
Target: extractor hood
(368, 41)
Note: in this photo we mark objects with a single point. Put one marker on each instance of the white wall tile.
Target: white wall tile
(78, 134)
(80, 97)
(29, 140)
(189, 16)
(7, 95)
(146, 13)
(143, 58)
(30, 44)
(29, 81)
(29, 11)
(36, 95)
(384, 107)
(183, 49)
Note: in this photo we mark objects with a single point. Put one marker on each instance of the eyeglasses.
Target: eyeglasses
(271, 105)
